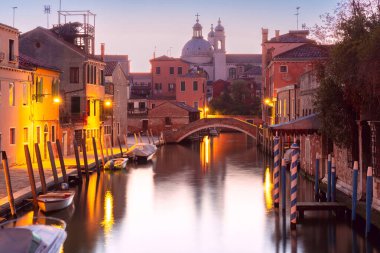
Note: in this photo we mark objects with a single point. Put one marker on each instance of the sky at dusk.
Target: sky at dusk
(136, 27)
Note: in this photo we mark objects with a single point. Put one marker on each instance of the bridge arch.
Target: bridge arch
(230, 123)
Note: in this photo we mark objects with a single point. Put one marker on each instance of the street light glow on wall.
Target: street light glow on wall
(108, 103)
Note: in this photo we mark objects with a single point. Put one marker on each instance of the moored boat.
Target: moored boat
(33, 238)
(116, 164)
(144, 151)
(54, 201)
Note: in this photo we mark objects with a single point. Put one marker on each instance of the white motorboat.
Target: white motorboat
(144, 151)
(116, 164)
(54, 201)
(34, 238)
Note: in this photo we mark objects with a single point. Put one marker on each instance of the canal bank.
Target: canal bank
(20, 180)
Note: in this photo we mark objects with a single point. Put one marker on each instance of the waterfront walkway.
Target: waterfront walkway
(20, 180)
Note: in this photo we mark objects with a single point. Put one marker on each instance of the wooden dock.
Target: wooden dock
(338, 208)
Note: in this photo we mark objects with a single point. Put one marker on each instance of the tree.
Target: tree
(236, 100)
(350, 81)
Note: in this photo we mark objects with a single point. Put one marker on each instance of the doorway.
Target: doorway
(144, 125)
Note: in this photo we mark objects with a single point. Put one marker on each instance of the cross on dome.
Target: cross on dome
(197, 17)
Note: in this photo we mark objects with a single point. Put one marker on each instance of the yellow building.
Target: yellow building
(27, 109)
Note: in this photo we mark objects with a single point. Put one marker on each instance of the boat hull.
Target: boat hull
(51, 202)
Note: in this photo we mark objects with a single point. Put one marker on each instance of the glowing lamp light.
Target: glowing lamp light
(57, 100)
(267, 101)
(108, 103)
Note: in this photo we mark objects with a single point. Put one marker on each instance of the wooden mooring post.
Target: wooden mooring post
(147, 135)
(53, 166)
(140, 139)
(119, 143)
(40, 168)
(77, 160)
(85, 157)
(136, 141)
(276, 171)
(102, 152)
(96, 155)
(110, 145)
(11, 200)
(61, 161)
(354, 190)
(31, 174)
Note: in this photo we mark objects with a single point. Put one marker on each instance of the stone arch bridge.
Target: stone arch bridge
(231, 123)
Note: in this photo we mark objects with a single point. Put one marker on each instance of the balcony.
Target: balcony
(73, 118)
(138, 112)
(95, 91)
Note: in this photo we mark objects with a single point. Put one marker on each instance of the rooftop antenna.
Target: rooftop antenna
(154, 52)
(59, 12)
(47, 12)
(297, 14)
(303, 26)
(14, 11)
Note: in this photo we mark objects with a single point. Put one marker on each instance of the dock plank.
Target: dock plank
(319, 206)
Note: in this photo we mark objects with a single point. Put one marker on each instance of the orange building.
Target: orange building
(165, 70)
(285, 58)
(191, 90)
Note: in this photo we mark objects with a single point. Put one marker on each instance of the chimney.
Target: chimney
(102, 47)
(277, 32)
(264, 33)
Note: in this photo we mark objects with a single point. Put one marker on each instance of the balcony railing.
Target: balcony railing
(137, 112)
(73, 118)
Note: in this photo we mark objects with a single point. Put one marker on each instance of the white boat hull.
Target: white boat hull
(143, 151)
(55, 201)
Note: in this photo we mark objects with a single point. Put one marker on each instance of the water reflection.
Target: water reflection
(268, 187)
(212, 196)
(108, 220)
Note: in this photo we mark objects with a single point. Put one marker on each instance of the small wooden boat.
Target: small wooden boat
(213, 132)
(36, 238)
(144, 151)
(116, 164)
(54, 201)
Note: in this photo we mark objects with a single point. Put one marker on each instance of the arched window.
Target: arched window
(219, 45)
(232, 73)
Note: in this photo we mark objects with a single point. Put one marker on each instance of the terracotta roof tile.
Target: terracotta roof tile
(306, 51)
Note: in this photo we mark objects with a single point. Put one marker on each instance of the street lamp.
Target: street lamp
(108, 104)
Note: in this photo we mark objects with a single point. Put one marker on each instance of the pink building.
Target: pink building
(191, 89)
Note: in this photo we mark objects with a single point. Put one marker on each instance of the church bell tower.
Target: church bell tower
(220, 65)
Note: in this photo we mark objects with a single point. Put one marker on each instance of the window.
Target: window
(171, 70)
(131, 106)
(94, 76)
(285, 111)
(168, 121)
(171, 87)
(12, 94)
(195, 86)
(26, 137)
(39, 90)
(102, 77)
(95, 102)
(196, 105)
(141, 105)
(88, 73)
(75, 104)
(283, 69)
(153, 105)
(53, 134)
(179, 70)
(88, 107)
(12, 136)
(183, 86)
(118, 128)
(158, 86)
(158, 70)
(74, 75)
(25, 94)
(55, 87)
(12, 50)
(232, 73)
(38, 130)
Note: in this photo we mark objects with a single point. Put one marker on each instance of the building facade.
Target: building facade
(81, 85)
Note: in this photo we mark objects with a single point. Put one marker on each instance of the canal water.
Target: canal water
(209, 196)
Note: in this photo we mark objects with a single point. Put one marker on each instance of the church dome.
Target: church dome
(219, 27)
(197, 50)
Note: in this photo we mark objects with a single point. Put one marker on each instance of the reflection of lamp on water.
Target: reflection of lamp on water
(268, 189)
(205, 152)
(108, 220)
